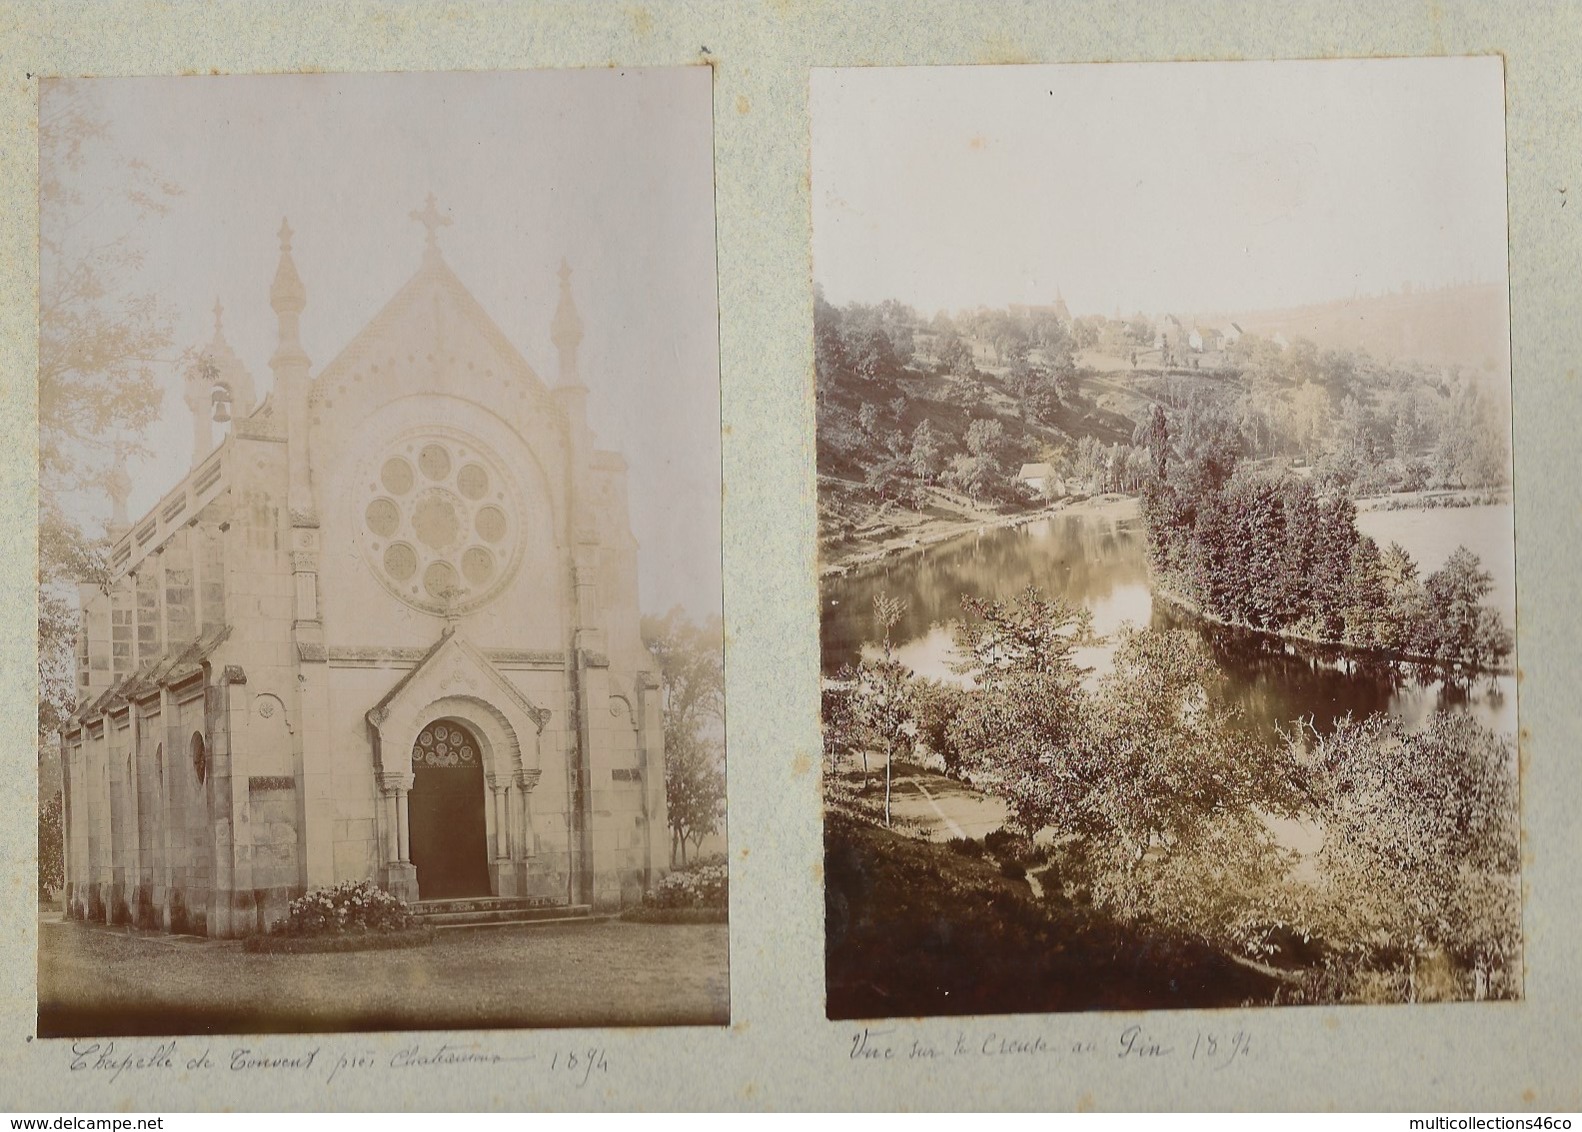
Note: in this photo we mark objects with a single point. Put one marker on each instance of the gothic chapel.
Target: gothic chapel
(386, 630)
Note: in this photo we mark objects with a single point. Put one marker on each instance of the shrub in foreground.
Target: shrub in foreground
(705, 887)
(699, 894)
(352, 907)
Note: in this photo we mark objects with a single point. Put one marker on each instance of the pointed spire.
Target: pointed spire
(566, 329)
(218, 368)
(290, 364)
(287, 295)
(199, 390)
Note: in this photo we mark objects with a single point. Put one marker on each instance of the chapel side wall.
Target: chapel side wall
(118, 755)
(266, 849)
(264, 798)
(192, 820)
(98, 791)
(82, 835)
(358, 817)
(622, 866)
(149, 768)
(547, 862)
(630, 833)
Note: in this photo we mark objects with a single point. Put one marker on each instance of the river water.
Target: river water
(1100, 561)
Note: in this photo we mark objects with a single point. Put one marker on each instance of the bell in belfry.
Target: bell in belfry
(222, 404)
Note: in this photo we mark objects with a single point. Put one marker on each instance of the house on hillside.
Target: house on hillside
(1231, 335)
(1168, 333)
(1031, 310)
(1040, 477)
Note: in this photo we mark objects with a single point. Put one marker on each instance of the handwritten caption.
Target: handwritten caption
(112, 1060)
(1210, 1049)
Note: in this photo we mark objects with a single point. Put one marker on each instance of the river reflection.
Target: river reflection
(1101, 562)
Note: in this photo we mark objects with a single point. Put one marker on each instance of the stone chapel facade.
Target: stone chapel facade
(386, 630)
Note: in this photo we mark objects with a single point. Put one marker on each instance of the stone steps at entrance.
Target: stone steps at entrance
(485, 911)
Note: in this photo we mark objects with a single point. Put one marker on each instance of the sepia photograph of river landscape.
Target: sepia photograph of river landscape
(1168, 611)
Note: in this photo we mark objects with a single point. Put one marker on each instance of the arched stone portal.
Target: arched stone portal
(455, 685)
(449, 824)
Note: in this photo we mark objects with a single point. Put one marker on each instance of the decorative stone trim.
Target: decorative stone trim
(266, 431)
(262, 782)
(540, 658)
(373, 654)
(394, 781)
(378, 656)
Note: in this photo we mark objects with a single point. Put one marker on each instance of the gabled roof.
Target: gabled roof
(171, 668)
(433, 279)
(1045, 470)
(475, 660)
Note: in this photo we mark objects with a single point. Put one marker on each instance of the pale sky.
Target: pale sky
(611, 169)
(1157, 186)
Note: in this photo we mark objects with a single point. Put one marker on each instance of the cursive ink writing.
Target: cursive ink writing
(104, 1057)
(1133, 1044)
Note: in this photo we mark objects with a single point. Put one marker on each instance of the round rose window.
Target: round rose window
(436, 527)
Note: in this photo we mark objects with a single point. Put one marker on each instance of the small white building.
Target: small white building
(1039, 477)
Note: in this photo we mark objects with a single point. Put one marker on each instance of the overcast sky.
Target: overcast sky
(1157, 187)
(611, 169)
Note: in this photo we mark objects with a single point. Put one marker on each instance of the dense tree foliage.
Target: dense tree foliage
(1161, 811)
(1154, 805)
(51, 848)
(1273, 552)
(103, 343)
(1420, 857)
(906, 411)
(1024, 711)
(691, 659)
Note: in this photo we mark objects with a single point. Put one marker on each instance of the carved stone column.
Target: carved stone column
(392, 839)
(403, 822)
(525, 781)
(400, 873)
(503, 878)
(527, 884)
(498, 784)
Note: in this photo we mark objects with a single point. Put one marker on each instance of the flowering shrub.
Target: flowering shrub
(706, 887)
(352, 906)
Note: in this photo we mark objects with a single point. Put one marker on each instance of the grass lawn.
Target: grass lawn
(95, 981)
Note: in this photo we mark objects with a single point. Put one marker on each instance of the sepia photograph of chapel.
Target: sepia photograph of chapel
(379, 554)
(1166, 536)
